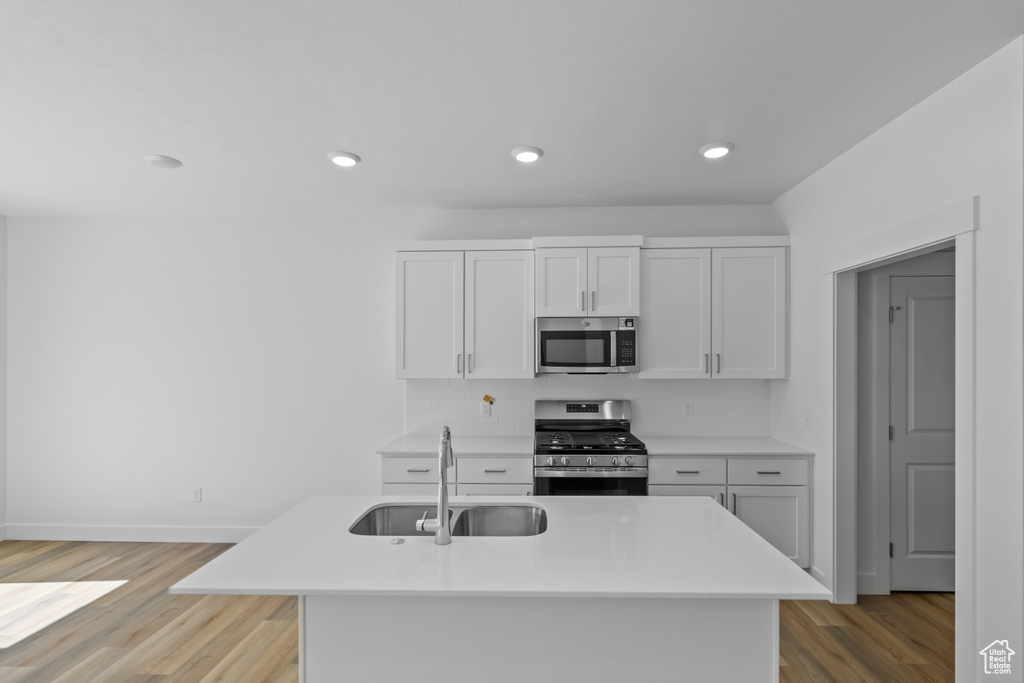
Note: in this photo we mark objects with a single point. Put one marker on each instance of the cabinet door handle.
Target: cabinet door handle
(734, 503)
(707, 361)
(593, 300)
(718, 360)
(418, 470)
(768, 472)
(687, 471)
(495, 471)
(583, 301)
(469, 363)
(458, 362)
(721, 499)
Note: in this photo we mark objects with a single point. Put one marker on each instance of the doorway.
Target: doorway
(906, 425)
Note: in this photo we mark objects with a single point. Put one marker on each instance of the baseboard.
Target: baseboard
(819, 576)
(3, 532)
(127, 534)
(867, 584)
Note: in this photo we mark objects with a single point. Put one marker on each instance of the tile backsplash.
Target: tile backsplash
(720, 408)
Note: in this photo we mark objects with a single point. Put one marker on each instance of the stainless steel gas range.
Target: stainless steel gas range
(585, 448)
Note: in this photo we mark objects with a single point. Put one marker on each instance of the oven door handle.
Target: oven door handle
(584, 473)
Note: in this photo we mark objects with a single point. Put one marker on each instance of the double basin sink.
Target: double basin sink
(399, 519)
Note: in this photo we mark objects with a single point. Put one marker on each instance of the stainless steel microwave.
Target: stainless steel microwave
(583, 345)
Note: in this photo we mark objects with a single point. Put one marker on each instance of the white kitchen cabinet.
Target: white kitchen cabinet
(595, 281)
(713, 313)
(770, 495)
(429, 315)
(495, 476)
(464, 314)
(748, 312)
(675, 313)
(413, 475)
(778, 514)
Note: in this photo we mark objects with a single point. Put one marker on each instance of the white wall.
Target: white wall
(963, 141)
(3, 378)
(251, 356)
(720, 408)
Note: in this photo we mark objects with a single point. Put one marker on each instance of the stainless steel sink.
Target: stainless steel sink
(394, 520)
(399, 519)
(501, 520)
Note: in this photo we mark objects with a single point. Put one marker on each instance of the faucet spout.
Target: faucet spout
(441, 526)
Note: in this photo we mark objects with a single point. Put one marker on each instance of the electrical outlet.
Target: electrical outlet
(197, 495)
(485, 409)
(687, 408)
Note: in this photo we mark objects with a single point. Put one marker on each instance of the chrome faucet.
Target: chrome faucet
(441, 526)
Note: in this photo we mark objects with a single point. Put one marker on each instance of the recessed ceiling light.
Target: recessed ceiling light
(344, 158)
(716, 150)
(160, 161)
(527, 155)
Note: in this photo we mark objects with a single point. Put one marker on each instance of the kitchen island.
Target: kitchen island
(630, 588)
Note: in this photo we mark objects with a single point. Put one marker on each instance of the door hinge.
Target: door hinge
(890, 550)
(892, 311)
(890, 433)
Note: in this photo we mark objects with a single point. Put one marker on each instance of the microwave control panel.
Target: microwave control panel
(626, 341)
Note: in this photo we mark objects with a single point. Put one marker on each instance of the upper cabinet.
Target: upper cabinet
(595, 281)
(464, 314)
(713, 313)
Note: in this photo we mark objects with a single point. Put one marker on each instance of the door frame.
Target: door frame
(958, 221)
(872, 437)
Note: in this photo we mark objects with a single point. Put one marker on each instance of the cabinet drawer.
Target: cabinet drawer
(428, 491)
(716, 492)
(495, 489)
(495, 470)
(411, 470)
(767, 471)
(686, 470)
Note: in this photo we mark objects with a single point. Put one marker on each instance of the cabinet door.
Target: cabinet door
(499, 314)
(495, 489)
(779, 514)
(748, 314)
(716, 492)
(675, 313)
(429, 320)
(613, 281)
(561, 282)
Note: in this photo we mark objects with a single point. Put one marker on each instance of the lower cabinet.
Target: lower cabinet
(415, 475)
(490, 476)
(770, 495)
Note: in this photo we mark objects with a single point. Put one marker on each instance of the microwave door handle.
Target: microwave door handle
(614, 355)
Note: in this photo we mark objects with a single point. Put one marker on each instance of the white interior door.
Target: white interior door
(921, 448)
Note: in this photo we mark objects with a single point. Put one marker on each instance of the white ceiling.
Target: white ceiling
(434, 94)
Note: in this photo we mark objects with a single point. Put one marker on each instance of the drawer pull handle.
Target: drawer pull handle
(768, 472)
(495, 471)
(687, 471)
(418, 470)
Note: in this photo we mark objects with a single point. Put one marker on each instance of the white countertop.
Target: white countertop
(597, 547)
(714, 445)
(656, 446)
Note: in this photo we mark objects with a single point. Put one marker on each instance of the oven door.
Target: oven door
(589, 481)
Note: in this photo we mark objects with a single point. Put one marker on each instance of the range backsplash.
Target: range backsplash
(720, 408)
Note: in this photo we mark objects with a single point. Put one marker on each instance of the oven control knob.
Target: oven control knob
(565, 461)
(551, 461)
(628, 460)
(590, 462)
(615, 460)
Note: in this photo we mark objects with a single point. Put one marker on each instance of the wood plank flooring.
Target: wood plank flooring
(138, 633)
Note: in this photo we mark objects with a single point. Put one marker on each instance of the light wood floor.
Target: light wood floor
(139, 633)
